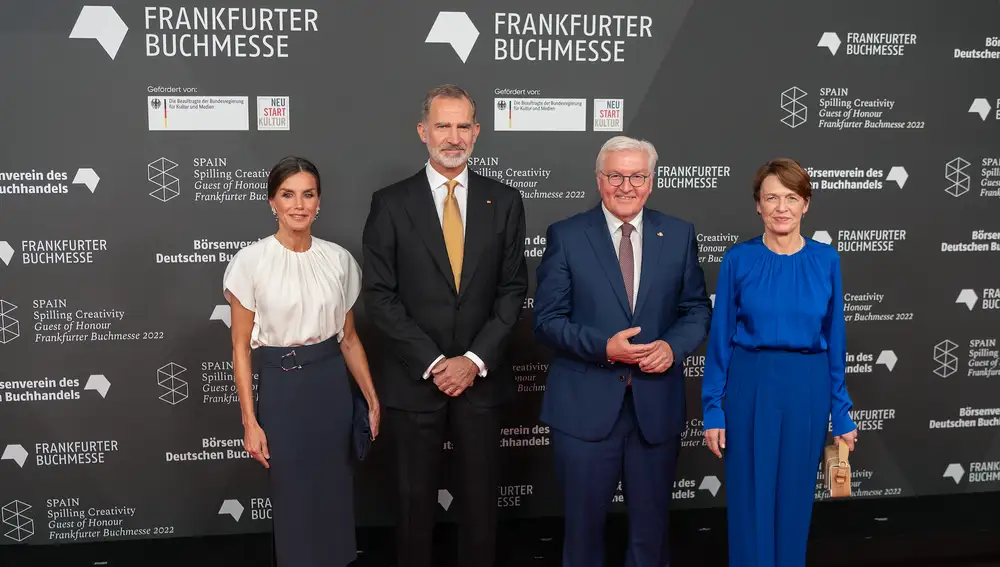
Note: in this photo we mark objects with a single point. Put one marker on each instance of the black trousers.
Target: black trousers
(419, 440)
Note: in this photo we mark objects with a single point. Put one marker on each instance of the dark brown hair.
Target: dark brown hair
(288, 167)
(789, 173)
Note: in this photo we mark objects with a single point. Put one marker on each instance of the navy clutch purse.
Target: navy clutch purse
(361, 428)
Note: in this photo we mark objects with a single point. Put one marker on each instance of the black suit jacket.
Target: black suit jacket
(409, 290)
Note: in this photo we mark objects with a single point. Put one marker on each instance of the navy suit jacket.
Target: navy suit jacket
(580, 302)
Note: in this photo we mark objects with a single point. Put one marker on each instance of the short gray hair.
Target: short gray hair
(447, 91)
(626, 144)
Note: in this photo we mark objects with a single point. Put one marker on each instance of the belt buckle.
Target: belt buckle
(295, 361)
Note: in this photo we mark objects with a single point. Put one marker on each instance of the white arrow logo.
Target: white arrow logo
(222, 313)
(711, 484)
(6, 252)
(99, 383)
(898, 174)
(954, 472)
(103, 24)
(233, 508)
(822, 236)
(87, 177)
(15, 453)
(980, 106)
(968, 297)
(445, 499)
(888, 358)
(455, 29)
(831, 41)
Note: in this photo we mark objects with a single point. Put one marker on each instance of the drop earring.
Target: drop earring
(316, 216)
(275, 213)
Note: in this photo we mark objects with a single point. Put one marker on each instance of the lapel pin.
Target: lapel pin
(659, 234)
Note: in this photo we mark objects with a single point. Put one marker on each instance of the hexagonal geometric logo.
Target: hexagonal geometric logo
(10, 328)
(167, 185)
(796, 112)
(167, 376)
(944, 355)
(14, 516)
(957, 176)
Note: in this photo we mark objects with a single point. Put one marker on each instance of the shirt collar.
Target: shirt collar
(437, 180)
(614, 223)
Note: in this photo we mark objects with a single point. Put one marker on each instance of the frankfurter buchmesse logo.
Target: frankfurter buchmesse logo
(796, 112)
(222, 313)
(445, 498)
(16, 453)
(980, 106)
(6, 252)
(457, 30)
(14, 516)
(103, 24)
(944, 356)
(955, 472)
(232, 508)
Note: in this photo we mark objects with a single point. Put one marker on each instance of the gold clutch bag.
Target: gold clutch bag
(837, 470)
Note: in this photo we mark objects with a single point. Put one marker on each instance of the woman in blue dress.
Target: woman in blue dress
(774, 373)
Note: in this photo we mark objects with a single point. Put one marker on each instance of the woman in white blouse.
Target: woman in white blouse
(292, 296)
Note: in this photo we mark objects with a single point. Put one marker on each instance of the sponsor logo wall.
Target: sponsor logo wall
(138, 162)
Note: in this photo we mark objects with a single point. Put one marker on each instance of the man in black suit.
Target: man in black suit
(444, 281)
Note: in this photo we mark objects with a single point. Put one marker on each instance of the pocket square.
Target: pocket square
(361, 428)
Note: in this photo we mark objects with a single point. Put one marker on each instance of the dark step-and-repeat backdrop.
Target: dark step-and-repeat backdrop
(137, 139)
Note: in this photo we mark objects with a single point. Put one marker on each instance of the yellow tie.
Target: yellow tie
(454, 240)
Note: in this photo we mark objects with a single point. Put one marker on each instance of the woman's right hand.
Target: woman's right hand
(255, 443)
(716, 439)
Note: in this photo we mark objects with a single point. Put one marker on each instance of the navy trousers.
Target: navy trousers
(589, 472)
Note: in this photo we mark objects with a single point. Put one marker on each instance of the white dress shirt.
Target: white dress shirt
(439, 191)
(615, 227)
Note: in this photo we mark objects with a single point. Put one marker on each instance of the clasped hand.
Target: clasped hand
(453, 375)
(653, 358)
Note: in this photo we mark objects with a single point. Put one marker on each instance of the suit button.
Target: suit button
(621, 378)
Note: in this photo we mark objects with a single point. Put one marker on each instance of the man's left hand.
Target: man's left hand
(659, 360)
(453, 375)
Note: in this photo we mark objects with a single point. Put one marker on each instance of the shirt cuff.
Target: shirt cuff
(478, 361)
(427, 374)
(714, 418)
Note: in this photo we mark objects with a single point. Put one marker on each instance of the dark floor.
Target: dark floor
(932, 532)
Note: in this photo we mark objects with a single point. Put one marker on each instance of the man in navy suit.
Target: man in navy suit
(621, 300)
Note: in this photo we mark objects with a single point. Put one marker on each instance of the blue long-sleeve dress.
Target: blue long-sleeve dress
(774, 380)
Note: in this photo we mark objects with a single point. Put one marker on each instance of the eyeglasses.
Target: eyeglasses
(616, 179)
